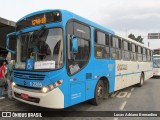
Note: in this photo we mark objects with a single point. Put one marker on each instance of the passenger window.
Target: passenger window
(126, 50)
(133, 53)
(81, 31)
(144, 55)
(116, 47)
(140, 53)
(101, 47)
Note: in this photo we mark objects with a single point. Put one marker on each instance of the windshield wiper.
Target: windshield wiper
(38, 33)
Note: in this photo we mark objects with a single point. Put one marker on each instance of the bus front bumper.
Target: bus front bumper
(52, 99)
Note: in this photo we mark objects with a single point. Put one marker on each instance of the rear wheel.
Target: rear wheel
(140, 84)
(99, 93)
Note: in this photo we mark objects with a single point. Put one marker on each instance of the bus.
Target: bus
(156, 65)
(63, 59)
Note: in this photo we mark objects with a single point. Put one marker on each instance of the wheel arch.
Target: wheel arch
(106, 82)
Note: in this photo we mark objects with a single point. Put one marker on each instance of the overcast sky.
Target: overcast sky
(139, 17)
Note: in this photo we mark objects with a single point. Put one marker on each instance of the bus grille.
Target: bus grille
(28, 76)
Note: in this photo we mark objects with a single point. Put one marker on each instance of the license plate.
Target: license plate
(24, 96)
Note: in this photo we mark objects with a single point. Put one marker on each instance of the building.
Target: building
(6, 26)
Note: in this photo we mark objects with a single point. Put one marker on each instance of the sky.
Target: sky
(139, 17)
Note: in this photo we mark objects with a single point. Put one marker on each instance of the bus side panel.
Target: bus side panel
(105, 68)
(77, 91)
(90, 88)
(148, 70)
(111, 68)
(129, 72)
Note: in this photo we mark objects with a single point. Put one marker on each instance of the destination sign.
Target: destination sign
(38, 19)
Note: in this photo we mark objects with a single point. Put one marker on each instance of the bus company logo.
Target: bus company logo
(122, 67)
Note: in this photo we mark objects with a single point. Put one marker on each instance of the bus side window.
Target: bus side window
(115, 48)
(133, 52)
(148, 55)
(101, 45)
(126, 50)
(144, 54)
(139, 53)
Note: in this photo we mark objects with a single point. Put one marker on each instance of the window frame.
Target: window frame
(148, 55)
(90, 48)
(133, 52)
(144, 54)
(119, 48)
(128, 47)
(139, 52)
(102, 45)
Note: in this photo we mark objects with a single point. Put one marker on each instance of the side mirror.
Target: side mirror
(74, 43)
(10, 43)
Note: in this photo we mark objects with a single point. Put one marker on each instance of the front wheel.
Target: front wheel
(140, 84)
(99, 93)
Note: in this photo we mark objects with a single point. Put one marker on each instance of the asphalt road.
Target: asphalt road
(145, 98)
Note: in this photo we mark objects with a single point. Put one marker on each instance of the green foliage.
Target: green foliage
(138, 39)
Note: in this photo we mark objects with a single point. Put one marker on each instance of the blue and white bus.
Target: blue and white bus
(63, 59)
(156, 65)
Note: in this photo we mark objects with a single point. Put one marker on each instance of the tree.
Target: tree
(138, 39)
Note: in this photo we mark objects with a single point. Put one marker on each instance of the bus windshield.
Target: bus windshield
(156, 62)
(41, 45)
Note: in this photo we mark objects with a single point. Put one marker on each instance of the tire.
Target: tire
(140, 84)
(99, 93)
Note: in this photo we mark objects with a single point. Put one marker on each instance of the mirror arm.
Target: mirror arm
(7, 45)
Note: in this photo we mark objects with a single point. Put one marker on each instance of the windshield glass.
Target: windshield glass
(156, 62)
(43, 46)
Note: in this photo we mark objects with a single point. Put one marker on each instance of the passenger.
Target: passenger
(3, 72)
(9, 79)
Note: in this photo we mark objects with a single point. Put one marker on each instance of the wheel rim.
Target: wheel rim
(100, 91)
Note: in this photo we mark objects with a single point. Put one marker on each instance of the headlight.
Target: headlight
(52, 86)
(13, 84)
(44, 89)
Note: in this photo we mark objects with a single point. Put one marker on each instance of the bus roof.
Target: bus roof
(133, 41)
(72, 16)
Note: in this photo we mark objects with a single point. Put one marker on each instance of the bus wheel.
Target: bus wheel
(99, 93)
(140, 84)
